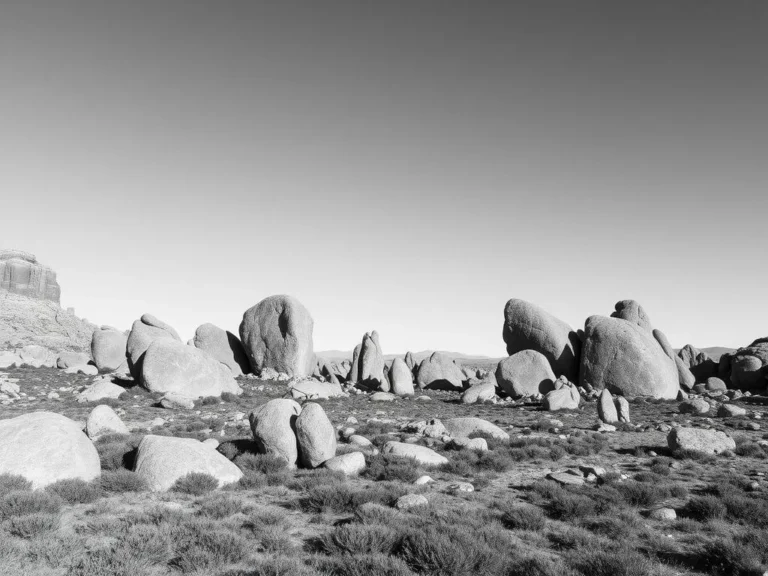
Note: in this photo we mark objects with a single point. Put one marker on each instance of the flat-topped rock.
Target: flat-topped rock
(21, 273)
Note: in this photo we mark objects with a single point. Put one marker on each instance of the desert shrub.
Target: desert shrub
(219, 506)
(493, 442)
(746, 509)
(450, 552)
(380, 440)
(564, 504)
(229, 397)
(263, 520)
(346, 499)
(113, 561)
(13, 483)
(264, 463)
(372, 513)
(277, 542)
(275, 566)
(520, 517)
(358, 564)
(705, 508)
(32, 525)
(56, 552)
(119, 481)
(374, 428)
(702, 457)
(388, 467)
(195, 483)
(117, 451)
(537, 565)
(642, 493)
(202, 546)
(751, 450)
(25, 503)
(149, 544)
(197, 425)
(360, 539)
(610, 562)
(730, 557)
(251, 480)
(75, 490)
(611, 527)
(306, 479)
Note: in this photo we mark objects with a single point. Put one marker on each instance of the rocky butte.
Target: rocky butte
(21, 273)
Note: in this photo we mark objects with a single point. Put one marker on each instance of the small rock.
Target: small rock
(663, 514)
(460, 487)
(421, 480)
(411, 501)
(350, 464)
(566, 478)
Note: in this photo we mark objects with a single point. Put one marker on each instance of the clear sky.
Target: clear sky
(400, 166)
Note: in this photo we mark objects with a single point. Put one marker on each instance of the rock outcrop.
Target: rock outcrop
(108, 349)
(401, 378)
(368, 364)
(747, 368)
(21, 273)
(277, 333)
(624, 357)
(315, 435)
(439, 372)
(528, 327)
(143, 333)
(224, 346)
(273, 426)
(698, 362)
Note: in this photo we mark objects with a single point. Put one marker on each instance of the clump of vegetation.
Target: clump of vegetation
(25, 503)
(523, 517)
(388, 467)
(76, 490)
(195, 483)
(32, 525)
(13, 483)
(346, 499)
(117, 451)
(119, 481)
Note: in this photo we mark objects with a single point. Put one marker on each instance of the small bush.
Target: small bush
(219, 506)
(117, 451)
(751, 450)
(661, 469)
(119, 481)
(361, 539)
(13, 483)
(602, 562)
(702, 457)
(228, 397)
(195, 483)
(359, 564)
(642, 493)
(203, 546)
(728, 557)
(264, 463)
(25, 503)
(388, 467)
(347, 499)
(705, 508)
(521, 517)
(32, 525)
(76, 490)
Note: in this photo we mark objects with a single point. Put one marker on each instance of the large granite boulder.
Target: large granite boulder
(371, 363)
(439, 372)
(401, 378)
(625, 358)
(525, 373)
(162, 460)
(565, 398)
(480, 390)
(315, 435)
(224, 346)
(528, 327)
(685, 377)
(144, 332)
(103, 421)
(108, 349)
(273, 426)
(21, 273)
(747, 368)
(171, 366)
(277, 334)
(45, 447)
(354, 371)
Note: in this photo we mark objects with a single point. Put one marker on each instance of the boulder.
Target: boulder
(478, 444)
(171, 366)
(713, 384)
(421, 454)
(685, 377)
(354, 371)
(315, 435)
(528, 327)
(328, 371)
(699, 440)
(465, 427)
(480, 391)
(87, 369)
(606, 409)
(401, 378)
(273, 426)
(102, 421)
(371, 363)
(162, 460)
(314, 390)
(698, 362)
(731, 411)
(350, 464)
(383, 397)
(626, 359)
(173, 401)
(409, 501)
(525, 373)
(622, 409)
(144, 332)
(631, 311)
(108, 349)
(277, 333)
(101, 389)
(439, 372)
(565, 398)
(72, 359)
(747, 368)
(694, 406)
(224, 346)
(45, 447)
(409, 361)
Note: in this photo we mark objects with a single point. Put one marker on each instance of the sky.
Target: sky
(404, 166)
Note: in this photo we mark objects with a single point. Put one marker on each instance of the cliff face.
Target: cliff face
(21, 273)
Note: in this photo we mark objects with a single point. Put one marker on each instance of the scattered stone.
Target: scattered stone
(465, 427)
(101, 389)
(162, 460)
(174, 400)
(45, 447)
(694, 406)
(87, 369)
(566, 478)
(700, 440)
(357, 440)
(663, 514)
(411, 501)
(72, 359)
(565, 398)
(350, 464)
(102, 421)
(481, 391)
(422, 455)
(401, 378)
(314, 390)
(460, 487)
(383, 397)
(714, 384)
(622, 408)
(422, 480)
(731, 411)
(478, 444)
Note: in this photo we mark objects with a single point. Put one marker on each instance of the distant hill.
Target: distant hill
(713, 352)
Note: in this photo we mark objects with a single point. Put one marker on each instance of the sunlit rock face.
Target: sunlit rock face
(21, 273)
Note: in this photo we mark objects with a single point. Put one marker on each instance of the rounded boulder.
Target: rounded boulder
(525, 373)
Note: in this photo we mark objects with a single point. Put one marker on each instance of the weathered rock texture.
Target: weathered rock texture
(401, 378)
(224, 346)
(316, 436)
(746, 368)
(624, 357)
(631, 311)
(273, 426)
(170, 366)
(45, 447)
(108, 347)
(525, 373)
(698, 362)
(27, 321)
(143, 333)
(440, 372)
(277, 334)
(528, 327)
(21, 273)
